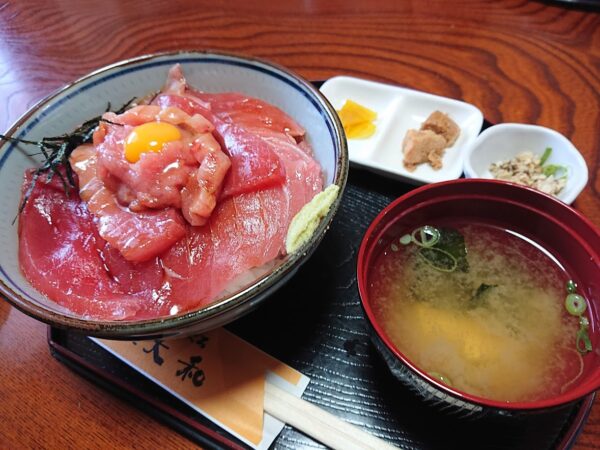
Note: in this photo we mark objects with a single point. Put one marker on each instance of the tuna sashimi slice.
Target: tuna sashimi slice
(138, 236)
(254, 164)
(60, 253)
(252, 130)
(186, 173)
(244, 232)
(250, 113)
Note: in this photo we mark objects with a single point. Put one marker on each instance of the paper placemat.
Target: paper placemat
(218, 374)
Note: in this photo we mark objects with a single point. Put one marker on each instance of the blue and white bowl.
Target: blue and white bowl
(88, 97)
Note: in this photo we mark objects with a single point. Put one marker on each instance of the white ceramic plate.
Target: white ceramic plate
(504, 141)
(398, 110)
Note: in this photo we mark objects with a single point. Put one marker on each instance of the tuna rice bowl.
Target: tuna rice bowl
(176, 199)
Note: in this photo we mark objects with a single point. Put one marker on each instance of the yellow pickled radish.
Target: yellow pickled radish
(357, 120)
(360, 130)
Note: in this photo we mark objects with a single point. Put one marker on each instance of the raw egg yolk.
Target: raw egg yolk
(149, 137)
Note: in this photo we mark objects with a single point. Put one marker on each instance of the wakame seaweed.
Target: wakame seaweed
(479, 297)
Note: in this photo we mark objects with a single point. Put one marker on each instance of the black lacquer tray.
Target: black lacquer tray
(315, 324)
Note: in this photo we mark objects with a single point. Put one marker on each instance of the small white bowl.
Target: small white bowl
(398, 110)
(504, 141)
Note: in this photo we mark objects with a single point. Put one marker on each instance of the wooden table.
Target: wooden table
(517, 61)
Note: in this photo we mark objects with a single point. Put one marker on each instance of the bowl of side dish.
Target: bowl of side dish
(531, 155)
(266, 126)
(482, 297)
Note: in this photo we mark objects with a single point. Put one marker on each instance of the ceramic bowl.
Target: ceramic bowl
(563, 232)
(398, 110)
(504, 141)
(87, 97)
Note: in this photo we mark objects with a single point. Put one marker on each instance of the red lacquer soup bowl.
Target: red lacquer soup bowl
(568, 236)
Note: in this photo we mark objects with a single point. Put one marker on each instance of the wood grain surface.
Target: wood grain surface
(518, 61)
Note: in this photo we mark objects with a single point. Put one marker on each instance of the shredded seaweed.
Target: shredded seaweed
(56, 151)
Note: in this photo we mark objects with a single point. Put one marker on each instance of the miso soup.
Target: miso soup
(494, 326)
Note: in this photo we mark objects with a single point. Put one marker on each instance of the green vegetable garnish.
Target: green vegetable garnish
(555, 169)
(452, 242)
(442, 248)
(575, 304)
(545, 156)
(406, 239)
(57, 150)
(426, 236)
(583, 336)
(438, 259)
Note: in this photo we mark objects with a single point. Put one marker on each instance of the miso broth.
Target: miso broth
(497, 330)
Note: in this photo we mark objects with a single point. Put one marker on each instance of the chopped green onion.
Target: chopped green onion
(555, 169)
(546, 155)
(575, 304)
(394, 247)
(583, 336)
(443, 249)
(435, 258)
(406, 239)
(428, 236)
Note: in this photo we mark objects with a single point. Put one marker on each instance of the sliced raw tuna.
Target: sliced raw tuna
(244, 232)
(185, 174)
(139, 236)
(250, 113)
(254, 164)
(63, 256)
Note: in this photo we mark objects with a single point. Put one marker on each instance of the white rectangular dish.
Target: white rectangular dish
(398, 110)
